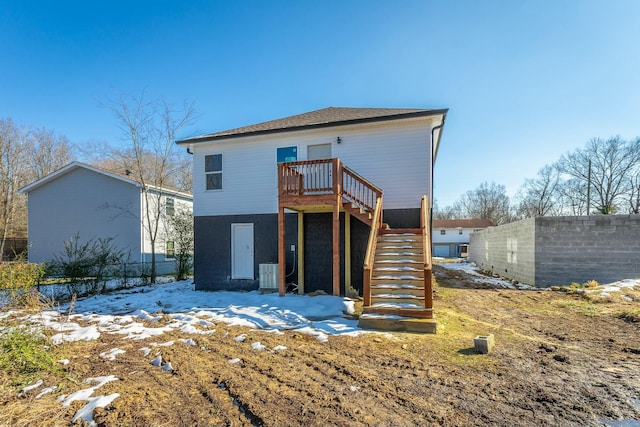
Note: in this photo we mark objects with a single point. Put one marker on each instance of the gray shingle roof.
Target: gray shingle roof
(325, 117)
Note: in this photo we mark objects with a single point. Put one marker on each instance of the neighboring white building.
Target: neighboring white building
(235, 178)
(451, 237)
(83, 200)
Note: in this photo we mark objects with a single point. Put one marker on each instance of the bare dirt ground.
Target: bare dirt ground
(561, 360)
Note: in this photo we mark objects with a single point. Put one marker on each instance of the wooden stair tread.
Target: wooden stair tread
(417, 231)
(399, 311)
(395, 323)
(386, 281)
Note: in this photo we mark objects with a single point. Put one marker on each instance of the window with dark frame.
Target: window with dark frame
(213, 171)
(170, 206)
(443, 232)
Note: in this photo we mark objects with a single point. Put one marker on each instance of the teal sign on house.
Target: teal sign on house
(287, 154)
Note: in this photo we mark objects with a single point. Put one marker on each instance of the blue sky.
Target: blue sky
(525, 81)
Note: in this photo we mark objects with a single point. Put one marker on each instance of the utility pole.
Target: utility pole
(589, 188)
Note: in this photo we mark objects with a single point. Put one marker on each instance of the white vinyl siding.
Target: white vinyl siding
(395, 156)
(84, 202)
(453, 235)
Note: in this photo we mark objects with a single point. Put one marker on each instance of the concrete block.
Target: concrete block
(484, 343)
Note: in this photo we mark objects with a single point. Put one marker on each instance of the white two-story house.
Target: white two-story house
(300, 191)
(451, 237)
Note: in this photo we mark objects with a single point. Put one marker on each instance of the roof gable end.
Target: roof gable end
(71, 167)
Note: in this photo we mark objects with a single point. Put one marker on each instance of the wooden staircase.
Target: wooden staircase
(363, 214)
(398, 293)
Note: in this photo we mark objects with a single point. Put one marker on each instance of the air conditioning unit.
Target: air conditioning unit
(269, 277)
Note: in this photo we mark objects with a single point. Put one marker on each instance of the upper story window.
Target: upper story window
(460, 232)
(213, 171)
(170, 206)
(443, 232)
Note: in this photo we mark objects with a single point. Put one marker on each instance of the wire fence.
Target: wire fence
(60, 286)
(14, 247)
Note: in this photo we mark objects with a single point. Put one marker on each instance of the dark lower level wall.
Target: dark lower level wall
(212, 254)
(212, 249)
(318, 254)
(402, 218)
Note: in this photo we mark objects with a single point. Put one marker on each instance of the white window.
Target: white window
(460, 232)
(213, 171)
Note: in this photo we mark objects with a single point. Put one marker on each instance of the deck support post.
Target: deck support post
(347, 253)
(301, 252)
(281, 252)
(336, 248)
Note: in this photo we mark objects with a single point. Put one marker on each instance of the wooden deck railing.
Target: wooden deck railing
(425, 225)
(326, 176)
(376, 225)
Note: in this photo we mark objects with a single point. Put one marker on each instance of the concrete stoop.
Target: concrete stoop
(397, 323)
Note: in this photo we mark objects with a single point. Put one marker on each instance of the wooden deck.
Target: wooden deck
(394, 284)
(324, 185)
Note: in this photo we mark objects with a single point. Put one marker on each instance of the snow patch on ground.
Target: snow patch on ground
(85, 413)
(471, 269)
(497, 282)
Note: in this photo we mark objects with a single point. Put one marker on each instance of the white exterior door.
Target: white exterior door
(242, 251)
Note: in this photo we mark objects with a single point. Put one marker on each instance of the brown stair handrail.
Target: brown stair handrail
(358, 190)
(376, 225)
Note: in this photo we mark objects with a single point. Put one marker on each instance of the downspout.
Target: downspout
(433, 163)
(142, 229)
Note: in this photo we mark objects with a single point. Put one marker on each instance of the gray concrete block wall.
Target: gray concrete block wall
(605, 248)
(507, 250)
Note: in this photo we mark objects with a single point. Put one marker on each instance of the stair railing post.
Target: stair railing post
(426, 250)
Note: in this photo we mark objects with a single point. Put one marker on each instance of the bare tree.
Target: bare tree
(633, 195)
(447, 212)
(488, 201)
(612, 162)
(149, 129)
(573, 193)
(13, 156)
(48, 152)
(541, 196)
(179, 230)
